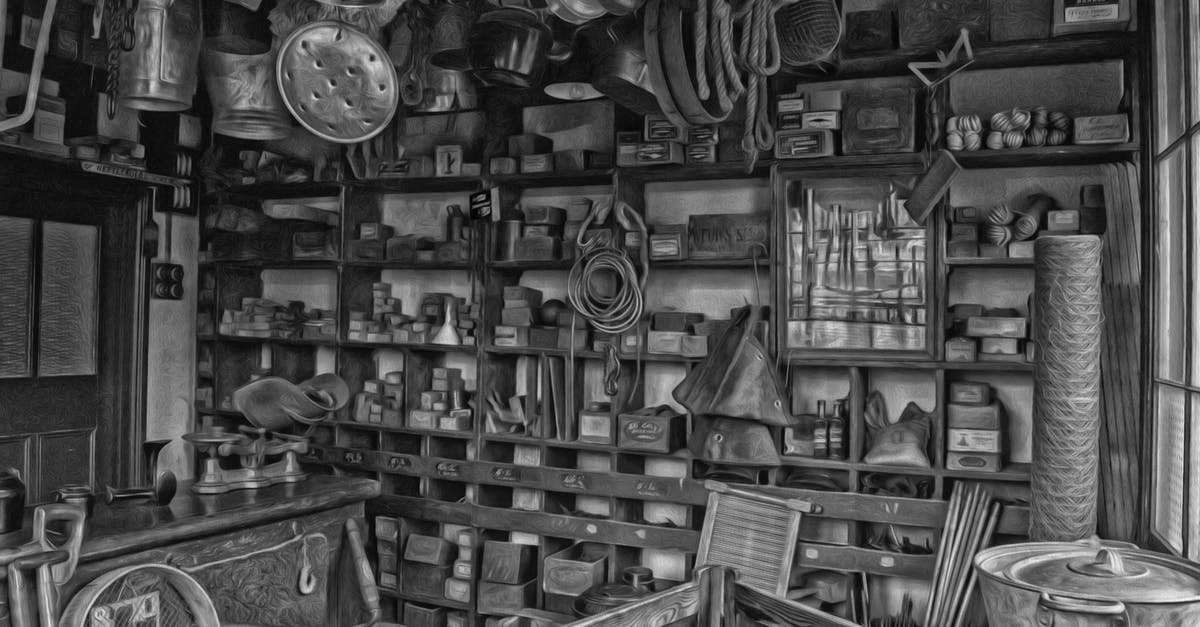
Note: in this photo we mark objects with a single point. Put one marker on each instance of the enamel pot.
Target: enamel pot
(1048, 584)
(508, 47)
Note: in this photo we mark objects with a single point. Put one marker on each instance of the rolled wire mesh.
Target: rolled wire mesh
(1068, 318)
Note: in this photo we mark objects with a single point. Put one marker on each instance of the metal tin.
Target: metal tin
(244, 95)
(159, 72)
(1030, 583)
(337, 82)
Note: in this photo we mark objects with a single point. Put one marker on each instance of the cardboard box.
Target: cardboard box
(656, 127)
(1101, 129)
(970, 393)
(428, 550)
(961, 349)
(1021, 250)
(503, 598)
(416, 615)
(668, 242)
(657, 429)
(542, 163)
(423, 579)
(660, 153)
(804, 144)
(664, 342)
(975, 440)
(983, 462)
(989, 416)
(1062, 220)
(596, 426)
(997, 326)
(575, 569)
(999, 346)
(507, 562)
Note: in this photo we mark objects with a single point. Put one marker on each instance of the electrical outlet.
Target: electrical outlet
(168, 281)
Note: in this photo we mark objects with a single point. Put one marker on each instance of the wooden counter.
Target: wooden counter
(246, 547)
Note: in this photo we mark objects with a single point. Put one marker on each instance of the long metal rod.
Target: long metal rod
(39, 61)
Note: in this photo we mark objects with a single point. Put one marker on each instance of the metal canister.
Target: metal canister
(159, 72)
(244, 94)
(508, 232)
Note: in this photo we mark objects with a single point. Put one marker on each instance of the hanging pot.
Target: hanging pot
(448, 90)
(245, 98)
(507, 47)
(1075, 584)
(620, 69)
(575, 11)
(159, 72)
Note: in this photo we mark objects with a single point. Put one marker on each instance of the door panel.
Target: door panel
(68, 303)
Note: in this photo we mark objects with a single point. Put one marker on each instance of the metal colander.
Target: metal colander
(809, 32)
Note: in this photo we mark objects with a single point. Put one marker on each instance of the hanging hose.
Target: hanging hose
(620, 311)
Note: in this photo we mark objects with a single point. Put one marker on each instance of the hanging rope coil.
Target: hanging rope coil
(621, 310)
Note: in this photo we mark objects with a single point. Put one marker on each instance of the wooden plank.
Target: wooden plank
(590, 529)
(851, 558)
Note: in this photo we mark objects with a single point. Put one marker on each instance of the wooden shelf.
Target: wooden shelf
(274, 189)
(590, 354)
(430, 348)
(370, 426)
(275, 340)
(420, 598)
(1011, 472)
(989, 366)
(557, 264)
(420, 185)
(879, 362)
(990, 261)
(1046, 156)
(1076, 48)
(106, 170)
(587, 178)
(709, 264)
(697, 172)
(903, 159)
(386, 264)
(283, 264)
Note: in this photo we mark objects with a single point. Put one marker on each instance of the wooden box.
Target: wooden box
(505, 598)
(729, 236)
(668, 242)
(659, 432)
(970, 393)
(416, 615)
(428, 550)
(575, 569)
(879, 121)
(507, 562)
(458, 590)
(423, 579)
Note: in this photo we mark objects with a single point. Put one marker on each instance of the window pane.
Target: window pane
(16, 251)
(1194, 55)
(1169, 446)
(1193, 543)
(67, 325)
(1171, 250)
(1171, 105)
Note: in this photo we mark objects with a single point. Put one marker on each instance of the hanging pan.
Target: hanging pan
(620, 70)
(337, 82)
(508, 47)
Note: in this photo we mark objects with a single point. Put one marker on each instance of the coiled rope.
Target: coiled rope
(620, 311)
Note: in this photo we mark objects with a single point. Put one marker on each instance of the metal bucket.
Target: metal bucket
(159, 72)
(245, 97)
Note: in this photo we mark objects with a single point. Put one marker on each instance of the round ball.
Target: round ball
(1041, 116)
(1014, 139)
(1056, 137)
(1001, 122)
(550, 310)
(970, 124)
(1036, 136)
(954, 140)
(972, 141)
(1020, 119)
(995, 140)
(1060, 120)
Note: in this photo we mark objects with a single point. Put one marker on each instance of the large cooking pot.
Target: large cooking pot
(1047, 584)
(507, 46)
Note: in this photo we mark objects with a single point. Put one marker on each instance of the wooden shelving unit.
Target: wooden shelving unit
(448, 480)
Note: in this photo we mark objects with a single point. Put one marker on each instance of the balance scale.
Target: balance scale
(252, 446)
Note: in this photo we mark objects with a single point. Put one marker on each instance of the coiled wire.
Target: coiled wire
(622, 310)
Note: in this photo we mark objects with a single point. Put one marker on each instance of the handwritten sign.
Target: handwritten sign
(650, 488)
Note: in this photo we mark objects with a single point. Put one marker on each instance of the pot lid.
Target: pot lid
(1109, 574)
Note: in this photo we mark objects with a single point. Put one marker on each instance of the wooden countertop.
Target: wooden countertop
(128, 528)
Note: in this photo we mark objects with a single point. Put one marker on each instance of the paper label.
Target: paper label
(1084, 11)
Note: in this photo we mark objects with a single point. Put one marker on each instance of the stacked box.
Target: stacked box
(387, 533)
(381, 400)
(444, 407)
(266, 319)
(975, 438)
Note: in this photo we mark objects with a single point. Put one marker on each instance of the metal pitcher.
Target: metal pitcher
(159, 72)
(244, 94)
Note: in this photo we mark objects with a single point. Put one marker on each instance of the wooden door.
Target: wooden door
(68, 271)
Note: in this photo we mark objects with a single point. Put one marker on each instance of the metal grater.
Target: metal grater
(752, 533)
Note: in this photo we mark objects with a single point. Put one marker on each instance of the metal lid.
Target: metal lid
(337, 81)
(1108, 574)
